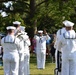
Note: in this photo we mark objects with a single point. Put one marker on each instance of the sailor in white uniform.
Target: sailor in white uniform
(68, 44)
(41, 49)
(19, 34)
(27, 43)
(58, 34)
(11, 46)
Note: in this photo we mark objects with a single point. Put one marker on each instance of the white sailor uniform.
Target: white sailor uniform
(41, 50)
(11, 48)
(27, 43)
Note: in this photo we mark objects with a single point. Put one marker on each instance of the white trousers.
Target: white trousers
(11, 64)
(56, 57)
(21, 63)
(41, 57)
(26, 64)
(69, 66)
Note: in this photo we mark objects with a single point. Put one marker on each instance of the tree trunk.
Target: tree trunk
(32, 8)
(32, 13)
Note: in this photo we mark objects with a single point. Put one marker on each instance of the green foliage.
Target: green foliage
(48, 13)
(46, 22)
(57, 11)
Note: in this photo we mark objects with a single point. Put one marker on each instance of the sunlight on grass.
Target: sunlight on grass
(1, 70)
(49, 70)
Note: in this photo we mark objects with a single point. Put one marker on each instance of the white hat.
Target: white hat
(17, 22)
(22, 28)
(40, 31)
(10, 27)
(68, 23)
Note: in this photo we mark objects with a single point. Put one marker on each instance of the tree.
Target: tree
(39, 14)
(26, 8)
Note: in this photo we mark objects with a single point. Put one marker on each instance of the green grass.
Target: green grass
(49, 69)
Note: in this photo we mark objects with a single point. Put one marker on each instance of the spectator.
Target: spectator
(52, 51)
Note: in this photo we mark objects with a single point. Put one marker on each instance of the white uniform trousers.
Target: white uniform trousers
(56, 57)
(21, 63)
(26, 64)
(41, 57)
(68, 66)
(11, 64)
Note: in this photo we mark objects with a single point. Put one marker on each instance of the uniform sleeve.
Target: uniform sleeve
(60, 43)
(25, 37)
(27, 41)
(57, 38)
(58, 34)
(18, 44)
(2, 41)
(55, 44)
(47, 37)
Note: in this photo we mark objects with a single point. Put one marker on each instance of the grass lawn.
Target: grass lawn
(49, 69)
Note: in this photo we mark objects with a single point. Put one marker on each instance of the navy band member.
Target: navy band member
(41, 49)
(68, 44)
(58, 52)
(27, 43)
(19, 35)
(11, 48)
